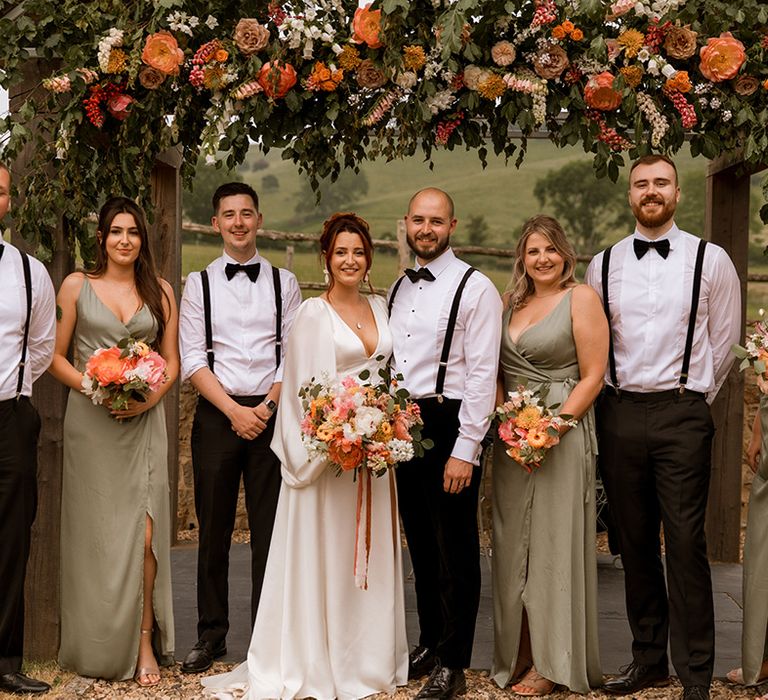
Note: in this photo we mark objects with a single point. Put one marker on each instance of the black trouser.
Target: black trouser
(219, 458)
(19, 430)
(441, 529)
(655, 455)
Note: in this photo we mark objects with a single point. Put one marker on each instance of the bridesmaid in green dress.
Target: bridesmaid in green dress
(545, 570)
(754, 634)
(116, 606)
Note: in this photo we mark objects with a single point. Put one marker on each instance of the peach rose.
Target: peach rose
(600, 94)
(369, 76)
(151, 78)
(721, 58)
(507, 431)
(152, 368)
(277, 79)
(680, 42)
(746, 85)
(550, 61)
(162, 52)
(402, 427)
(250, 36)
(503, 53)
(106, 366)
(348, 454)
(119, 106)
(366, 25)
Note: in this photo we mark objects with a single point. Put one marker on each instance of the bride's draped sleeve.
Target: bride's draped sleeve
(310, 354)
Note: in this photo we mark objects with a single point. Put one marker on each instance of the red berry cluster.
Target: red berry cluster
(446, 127)
(201, 57)
(546, 13)
(276, 13)
(457, 82)
(656, 33)
(607, 134)
(686, 109)
(100, 95)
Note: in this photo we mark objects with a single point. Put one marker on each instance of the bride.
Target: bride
(316, 633)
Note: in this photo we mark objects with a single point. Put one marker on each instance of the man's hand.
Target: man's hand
(246, 422)
(457, 475)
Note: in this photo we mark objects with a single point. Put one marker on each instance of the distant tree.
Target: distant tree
(588, 208)
(476, 230)
(196, 203)
(270, 183)
(334, 196)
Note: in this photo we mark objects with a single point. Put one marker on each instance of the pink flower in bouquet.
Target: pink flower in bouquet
(401, 428)
(349, 382)
(107, 367)
(507, 431)
(119, 106)
(152, 368)
(348, 454)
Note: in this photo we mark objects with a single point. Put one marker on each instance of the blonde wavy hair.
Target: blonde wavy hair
(521, 286)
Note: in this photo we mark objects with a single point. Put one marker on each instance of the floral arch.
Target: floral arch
(333, 84)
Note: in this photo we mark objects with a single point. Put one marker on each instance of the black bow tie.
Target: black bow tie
(642, 247)
(421, 274)
(251, 270)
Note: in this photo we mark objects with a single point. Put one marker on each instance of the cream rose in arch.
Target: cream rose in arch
(503, 53)
(250, 36)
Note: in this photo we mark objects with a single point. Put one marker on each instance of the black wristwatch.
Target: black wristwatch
(270, 404)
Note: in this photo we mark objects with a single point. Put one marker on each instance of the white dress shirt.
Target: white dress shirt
(650, 303)
(243, 318)
(13, 314)
(418, 322)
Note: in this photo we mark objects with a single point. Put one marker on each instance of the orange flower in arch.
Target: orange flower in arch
(600, 94)
(366, 26)
(162, 52)
(721, 58)
(277, 79)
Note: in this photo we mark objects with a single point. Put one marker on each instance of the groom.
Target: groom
(233, 318)
(446, 326)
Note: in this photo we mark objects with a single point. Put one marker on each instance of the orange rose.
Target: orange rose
(600, 94)
(568, 26)
(106, 366)
(679, 81)
(577, 34)
(721, 58)
(366, 25)
(558, 32)
(348, 454)
(277, 79)
(221, 55)
(162, 52)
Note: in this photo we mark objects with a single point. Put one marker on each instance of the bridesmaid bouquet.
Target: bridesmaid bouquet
(755, 350)
(528, 427)
(360, 426)
(129, 370)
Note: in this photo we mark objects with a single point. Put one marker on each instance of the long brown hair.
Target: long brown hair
(521, 286)
(339, 223)
(148, 287)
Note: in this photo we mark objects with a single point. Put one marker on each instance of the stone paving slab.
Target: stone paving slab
(615, 639)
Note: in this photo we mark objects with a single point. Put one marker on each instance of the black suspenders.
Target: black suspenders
(25, 338)
(209, 326)
(695, 294)
(452, 316)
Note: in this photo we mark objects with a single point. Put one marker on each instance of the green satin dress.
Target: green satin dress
(544, 558)
(114, 474)
(754, 648)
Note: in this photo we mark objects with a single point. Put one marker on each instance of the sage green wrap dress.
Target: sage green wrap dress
(544, 559)
(115, 473)
(755, 586)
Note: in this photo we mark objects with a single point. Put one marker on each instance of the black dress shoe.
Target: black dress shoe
(443, 684)
(636, 677)
(421, 662)
(19, 684)
(695, 692)
(202, 656)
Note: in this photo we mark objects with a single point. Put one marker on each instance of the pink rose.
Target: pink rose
(507, 432)
(152, 368)
(120, 106)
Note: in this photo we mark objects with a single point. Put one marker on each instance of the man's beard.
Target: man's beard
(655, 220)
(431, 253)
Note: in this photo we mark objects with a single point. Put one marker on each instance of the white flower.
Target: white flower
(715, 103)
(440, 101)
(350, 433)
(643, 55)
(336, 49)
(653, 67)
(210, 159)
(668, 70)
(406, 79)
(727, 114)
(211, 22)
(400, 450)
(367, 420)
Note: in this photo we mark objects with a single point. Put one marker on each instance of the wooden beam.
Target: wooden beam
(165, 236)
(727, 225)
(42, 622)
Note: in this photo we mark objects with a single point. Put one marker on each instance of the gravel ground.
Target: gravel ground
(176, 685)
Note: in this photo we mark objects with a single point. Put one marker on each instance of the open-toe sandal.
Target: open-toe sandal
(142, 672)
(533, 684)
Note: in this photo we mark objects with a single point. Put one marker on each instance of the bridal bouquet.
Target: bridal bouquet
(129, 370)
(361, 426)
(755, 350)
(528, 427)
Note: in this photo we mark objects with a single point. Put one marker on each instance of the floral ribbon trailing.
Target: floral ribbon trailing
(363, 545)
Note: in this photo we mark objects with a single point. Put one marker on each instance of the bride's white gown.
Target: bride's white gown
(316, 634)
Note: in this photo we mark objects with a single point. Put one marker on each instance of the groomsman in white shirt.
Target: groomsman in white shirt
(674, 307)
(234, 318)
(27, 335)
(446, 326)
